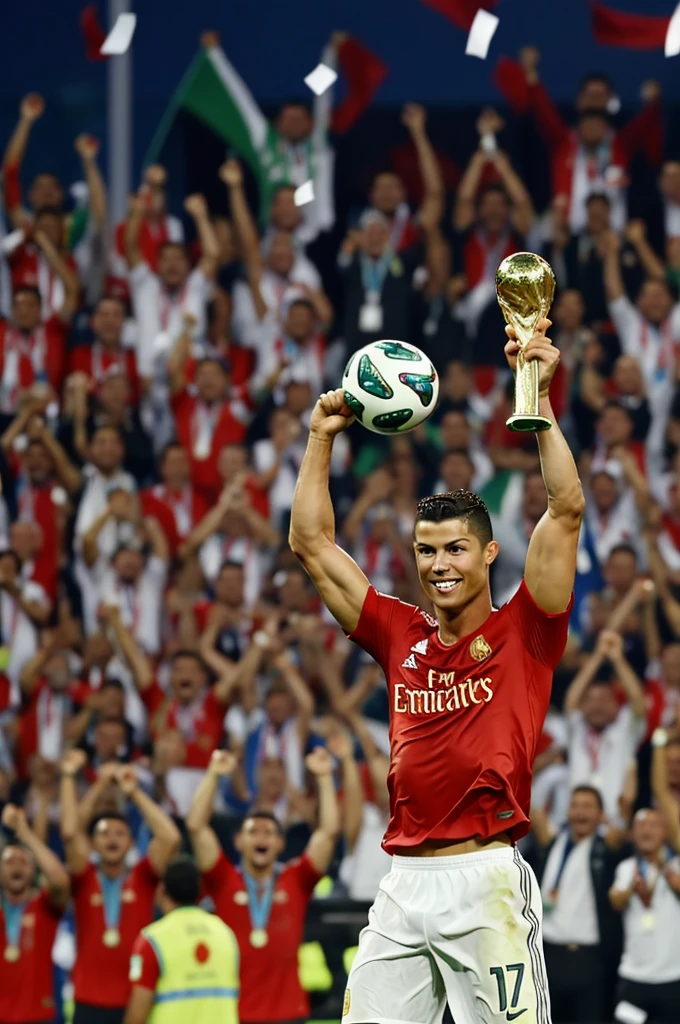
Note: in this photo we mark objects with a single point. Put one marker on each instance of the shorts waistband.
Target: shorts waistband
(458, 860)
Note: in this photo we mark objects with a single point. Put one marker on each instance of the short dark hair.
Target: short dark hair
(612, 403)
(598, 197)
(108, 297)
(10, 551)
(623, 549)
(182, 881)
(111, 683)
(229, 563)
(595, 76)
(264, 816)
(174, 245)
(186, 652)
(27, 289)
(464, 505)
(107, 816)
(49, 211)
(593, 792)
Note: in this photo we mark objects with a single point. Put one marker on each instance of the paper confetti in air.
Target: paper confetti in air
(481, 34)
(119, 38)
(321, 78)
(304, 193)
(672, 44)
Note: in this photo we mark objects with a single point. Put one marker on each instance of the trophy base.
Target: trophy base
(525, 423)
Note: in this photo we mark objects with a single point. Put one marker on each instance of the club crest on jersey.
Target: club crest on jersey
(421, 646)
(410, 662)
(479, 648)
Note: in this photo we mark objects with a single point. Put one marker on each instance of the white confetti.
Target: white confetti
(12, 241)
(59, 496)
(304, 193)
(672, 44)
(119, 38)
(321, 78)
(481, 34)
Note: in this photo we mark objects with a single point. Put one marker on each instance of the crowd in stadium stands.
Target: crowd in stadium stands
(155, 392)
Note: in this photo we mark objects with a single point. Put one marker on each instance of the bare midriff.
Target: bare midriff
(446, 848)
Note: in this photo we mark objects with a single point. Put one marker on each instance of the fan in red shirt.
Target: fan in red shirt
(106, 353)
(28, 922)
(265, 904)
(208, 416)
(468, 693)
(111, 902)
(192, 708)
(32, 351)
(175, 502)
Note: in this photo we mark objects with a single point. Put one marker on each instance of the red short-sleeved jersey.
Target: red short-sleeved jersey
(27, 989)
(144, 967)
(270, 987)
(97, 362)
(465, 719)
(202, 734)
(100, 973)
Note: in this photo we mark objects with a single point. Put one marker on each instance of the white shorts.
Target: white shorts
(464, 930)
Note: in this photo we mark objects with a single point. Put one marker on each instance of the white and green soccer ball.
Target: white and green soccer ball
(390, 386)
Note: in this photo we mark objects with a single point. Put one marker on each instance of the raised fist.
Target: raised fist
(231, 173)
(155, 176)
(222, 763)
(196, 206)
(127, 779)
(413, 117)
(610, 643)
(210, 39)
(319, 762)
(32, 106)
(86, 146)
(13, 817)
(331, 415)
(73, 762)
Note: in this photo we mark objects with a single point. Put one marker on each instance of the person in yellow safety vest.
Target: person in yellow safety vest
(184, 967)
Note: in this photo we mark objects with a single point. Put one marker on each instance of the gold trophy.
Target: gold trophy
(525, 285)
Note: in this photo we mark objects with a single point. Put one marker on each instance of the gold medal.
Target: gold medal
(12, 954)
(111, 938)
(258, 938)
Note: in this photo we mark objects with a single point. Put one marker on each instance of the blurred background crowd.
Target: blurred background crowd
(157, 376)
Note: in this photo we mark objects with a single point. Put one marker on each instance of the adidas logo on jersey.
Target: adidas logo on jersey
(410, 662)
(421, 646)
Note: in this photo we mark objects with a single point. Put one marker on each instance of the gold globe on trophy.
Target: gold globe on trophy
(525, 285)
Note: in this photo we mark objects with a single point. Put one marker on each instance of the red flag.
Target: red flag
(365, 72)
(460, 12)
(635, 31)
(93, 33)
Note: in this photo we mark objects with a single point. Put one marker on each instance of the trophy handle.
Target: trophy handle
(525, 416)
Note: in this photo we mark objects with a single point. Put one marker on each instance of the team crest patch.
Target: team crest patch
(129, 895)
(280, 896)
(345, 1005)
(479, 648)
(96, 899)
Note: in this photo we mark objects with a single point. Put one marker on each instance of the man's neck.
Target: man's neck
(461, 623)
(259, 874)
(112, 871)
(16, 899)
(110, 346)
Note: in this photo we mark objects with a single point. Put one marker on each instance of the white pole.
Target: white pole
(119, 121)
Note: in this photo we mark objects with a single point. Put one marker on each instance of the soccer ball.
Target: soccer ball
(390, 386)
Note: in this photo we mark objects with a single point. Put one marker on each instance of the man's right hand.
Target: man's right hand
(530, 57)
(210, 39)
(231, 173)
(32, 107)
(331, 415)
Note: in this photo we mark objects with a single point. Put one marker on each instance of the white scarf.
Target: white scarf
(51, 289)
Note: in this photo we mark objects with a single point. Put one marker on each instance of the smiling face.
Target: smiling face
(111, 840)
(452, 563)
(649, 832)
(585, 813)
(16, 871)
(187, 678)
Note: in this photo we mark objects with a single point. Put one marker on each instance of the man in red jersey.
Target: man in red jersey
(458, 917)
(264, 903)
(28, 922)
(112, 902)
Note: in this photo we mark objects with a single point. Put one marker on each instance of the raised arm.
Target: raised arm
(87, 148)
(432, 207)
(134, 656)
(551, 559)
(663, 795)
(64, 273)
(299, 691)
(203, 840)
(65, 472)
(585, 676)
(32, 108)
(50, 866)
(246, 231)
(636, 234)
(464, 210)
(133, 225)
(197, 208)
(340, 745)
(635, 695)
(209, 524)
(613, 281)
(338, 579)
(522, 207)
(76, 843)
(166, 836)
(321, 845)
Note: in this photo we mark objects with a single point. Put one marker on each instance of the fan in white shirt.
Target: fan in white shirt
(648, 330)
(24, 608)
(646, 892)
(163, 302)
(270, 274)
(603, 737)
(612, 514)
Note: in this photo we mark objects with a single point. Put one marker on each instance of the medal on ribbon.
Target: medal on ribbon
(260, 901)
(112, 894)
(13, 913)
